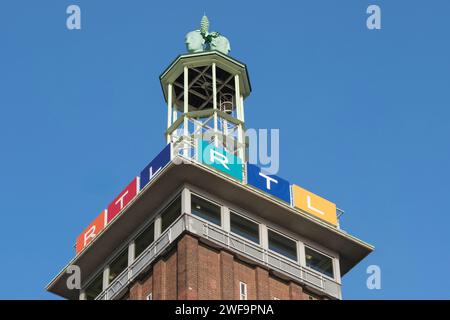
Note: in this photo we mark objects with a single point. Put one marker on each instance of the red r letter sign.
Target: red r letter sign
(90, 232)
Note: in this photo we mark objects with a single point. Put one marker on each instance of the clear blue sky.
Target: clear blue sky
(364, 119)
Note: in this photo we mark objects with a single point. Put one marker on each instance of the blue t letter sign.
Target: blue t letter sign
(271, 184)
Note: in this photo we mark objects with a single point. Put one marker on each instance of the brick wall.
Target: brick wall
(193, 270)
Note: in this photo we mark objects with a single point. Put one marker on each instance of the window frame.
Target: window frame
(215, 203)
(115, 257)
(249, 219)
(91, 281)
(161, 212)
(243, 295)
(287, 237)
(324, 254)
(134, 238)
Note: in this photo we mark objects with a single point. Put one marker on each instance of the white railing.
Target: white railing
(266, 257)
(120, 284)
(215, 234)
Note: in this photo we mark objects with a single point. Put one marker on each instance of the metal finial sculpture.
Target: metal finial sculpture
(204, 25)
(202, 40)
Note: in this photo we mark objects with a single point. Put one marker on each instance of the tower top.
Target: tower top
(203, 184)
(203, 40)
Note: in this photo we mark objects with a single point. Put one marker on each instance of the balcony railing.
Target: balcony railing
(215, 234)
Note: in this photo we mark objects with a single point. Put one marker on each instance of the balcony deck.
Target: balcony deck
(247, 249)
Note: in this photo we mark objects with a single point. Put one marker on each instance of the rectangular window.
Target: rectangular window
(95, 287)
(144, 240)
(242, 291)
(244, 227)
(170, 214)
(205, 210)
(319, 262)
(119, 264)
(282, 245)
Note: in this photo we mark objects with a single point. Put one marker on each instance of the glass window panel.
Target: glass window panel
(282, 245)
(205, 210)
(170, 214)
(243, 291)
(244, 227)
(144, 240)
(118, 265)
(319, 262)
(95, 288)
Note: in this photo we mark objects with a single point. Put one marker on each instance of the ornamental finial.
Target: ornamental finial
(203, 40)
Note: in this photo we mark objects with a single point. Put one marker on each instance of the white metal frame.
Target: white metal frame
(232, 130)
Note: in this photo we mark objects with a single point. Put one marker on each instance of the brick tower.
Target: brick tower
(200, 221)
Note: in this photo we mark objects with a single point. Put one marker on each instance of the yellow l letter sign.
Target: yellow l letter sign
(315, 205)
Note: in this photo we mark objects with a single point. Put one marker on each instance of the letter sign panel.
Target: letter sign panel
(90, 232)
(271, 184)
(155, 166)
(315, 205)
(122, 199)
(221, 160)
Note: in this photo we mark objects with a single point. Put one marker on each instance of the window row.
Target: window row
(249, 230)
(211, 212)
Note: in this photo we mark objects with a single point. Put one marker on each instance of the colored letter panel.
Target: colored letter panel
(90, 232)
(271, 184)
(122, 199)
(315, 205)
(155, 166)
(221, 160)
